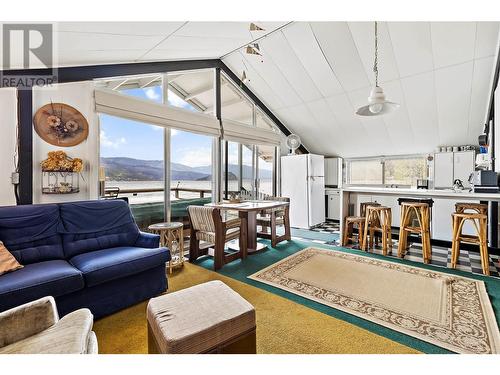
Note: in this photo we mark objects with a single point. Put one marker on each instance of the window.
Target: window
(192, 90)
(262, 121)
(365, 172)
(387, 171)
(234, 104)
(233, 172)
(132, 156)
(404, 171)
(248, 168)
(191, 172)
(265, 171)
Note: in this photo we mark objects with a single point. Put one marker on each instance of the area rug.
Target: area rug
(446, 310)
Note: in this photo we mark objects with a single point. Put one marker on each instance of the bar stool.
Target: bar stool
(479, 208)
(378, 219)
(349, 223)
(362, 213)
(479, 220)
(422, 214)
(363, 205)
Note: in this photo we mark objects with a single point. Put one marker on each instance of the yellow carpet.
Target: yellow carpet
(283, 326)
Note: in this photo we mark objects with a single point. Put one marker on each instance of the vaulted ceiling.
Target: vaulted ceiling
(313, 75)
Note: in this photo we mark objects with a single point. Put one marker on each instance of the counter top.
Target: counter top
(443, 193)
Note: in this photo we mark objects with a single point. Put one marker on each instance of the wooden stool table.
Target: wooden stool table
(171, 236)
(349, 223)
(378, 219)
(421, 212)
(480, 224)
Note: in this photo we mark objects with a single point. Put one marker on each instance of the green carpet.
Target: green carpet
(239, 270)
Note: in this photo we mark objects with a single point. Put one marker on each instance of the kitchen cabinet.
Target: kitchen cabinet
(463, 166)
(449, 166)
(333, 204)
(332, 172)
(443, 170)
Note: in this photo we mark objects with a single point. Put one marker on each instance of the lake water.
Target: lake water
(265, 187)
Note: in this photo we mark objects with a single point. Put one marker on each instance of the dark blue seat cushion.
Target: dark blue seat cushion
(49, 278)
(31, 232)
(105, 265)
(96, 225)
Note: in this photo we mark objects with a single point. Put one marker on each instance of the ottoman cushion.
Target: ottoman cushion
(197, 319)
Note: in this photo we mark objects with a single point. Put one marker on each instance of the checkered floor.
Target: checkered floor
(441, 256)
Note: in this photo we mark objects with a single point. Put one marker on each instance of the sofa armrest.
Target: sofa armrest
(27, 320)
(148, 240)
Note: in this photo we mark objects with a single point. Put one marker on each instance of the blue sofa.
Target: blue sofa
(84, 254)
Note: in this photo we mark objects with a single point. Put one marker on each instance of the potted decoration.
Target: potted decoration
(60, 173)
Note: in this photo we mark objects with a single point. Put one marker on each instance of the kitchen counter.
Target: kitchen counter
(438, 193)
(443, 206)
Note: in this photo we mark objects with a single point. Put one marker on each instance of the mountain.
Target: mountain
(129, 169)
(235, 170)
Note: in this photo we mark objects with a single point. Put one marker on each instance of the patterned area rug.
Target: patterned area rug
(449, 311)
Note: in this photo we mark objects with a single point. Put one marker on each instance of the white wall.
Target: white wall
(79, 95)
(8, 124)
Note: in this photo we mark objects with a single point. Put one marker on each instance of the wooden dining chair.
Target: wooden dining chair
(269, 220)
(209, 230)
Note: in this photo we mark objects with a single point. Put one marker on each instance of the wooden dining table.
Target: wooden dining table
(247, 211)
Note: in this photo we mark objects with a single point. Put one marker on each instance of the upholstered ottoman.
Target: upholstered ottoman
(206, 318)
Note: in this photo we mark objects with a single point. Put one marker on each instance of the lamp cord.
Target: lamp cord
(375, 63)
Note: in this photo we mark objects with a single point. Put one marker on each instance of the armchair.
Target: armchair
(35, 328)
(207, 226)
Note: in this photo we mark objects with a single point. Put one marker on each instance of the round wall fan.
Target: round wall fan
(293, 143)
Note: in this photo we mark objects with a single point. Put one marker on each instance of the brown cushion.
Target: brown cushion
(7, 261)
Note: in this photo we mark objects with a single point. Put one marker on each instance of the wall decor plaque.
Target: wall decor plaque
(61, 125)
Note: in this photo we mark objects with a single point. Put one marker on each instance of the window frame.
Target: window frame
(382, 160)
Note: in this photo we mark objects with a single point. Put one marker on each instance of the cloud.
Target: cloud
(177, 101)
(152, 94)
(172, 131)
(110, 143)
(196, 158)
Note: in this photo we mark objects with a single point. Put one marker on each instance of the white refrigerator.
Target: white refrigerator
(303, 181)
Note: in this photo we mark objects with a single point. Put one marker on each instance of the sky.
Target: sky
(127, 138)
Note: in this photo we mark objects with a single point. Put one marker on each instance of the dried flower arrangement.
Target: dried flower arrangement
(60, 125)
(58, 161)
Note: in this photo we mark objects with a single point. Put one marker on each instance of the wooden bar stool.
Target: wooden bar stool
(480, 224)
(478, 208)
(422, 215)
(362, 213)
(364, 205)
(378, 219)
(349, 223)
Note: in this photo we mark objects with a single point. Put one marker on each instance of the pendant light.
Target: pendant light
(377, 104)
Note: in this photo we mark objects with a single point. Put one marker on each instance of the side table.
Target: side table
(171, 236)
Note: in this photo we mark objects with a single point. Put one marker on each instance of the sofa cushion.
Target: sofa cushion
(7, 261)
(31, 232)
(105, 265)
(49, 278)
(95, 225)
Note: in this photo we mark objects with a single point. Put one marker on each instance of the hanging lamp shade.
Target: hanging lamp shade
(377, 104)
